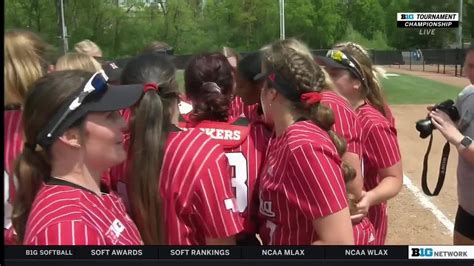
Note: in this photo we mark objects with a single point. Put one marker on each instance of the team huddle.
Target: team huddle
(275, 148)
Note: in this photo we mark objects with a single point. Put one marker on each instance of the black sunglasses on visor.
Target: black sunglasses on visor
(338, 59)
(96, 95)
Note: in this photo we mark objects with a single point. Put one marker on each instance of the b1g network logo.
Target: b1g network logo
(427, 22)
(441, 252)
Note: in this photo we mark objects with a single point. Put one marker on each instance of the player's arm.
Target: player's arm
(73, 233)
(327, 225)
(383, 144)
(215, 201)
(389, 187)
(320, 194)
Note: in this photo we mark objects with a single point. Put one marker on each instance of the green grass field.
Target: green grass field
(407, 89)
(403, 89)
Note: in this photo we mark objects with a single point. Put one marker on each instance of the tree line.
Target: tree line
(124, 27)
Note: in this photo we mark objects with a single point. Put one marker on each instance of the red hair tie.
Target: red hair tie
(272, 77)
(311, 98)
(150, 86)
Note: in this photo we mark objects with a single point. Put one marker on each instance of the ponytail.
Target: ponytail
(372, 85)
(148, 137)
(33, 165)
(150, 125)
(31, 168)
(212, 104)
(375, 94)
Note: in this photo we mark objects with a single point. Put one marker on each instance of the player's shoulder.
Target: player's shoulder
(369, 116)
(12, 115)
(331, 97)
(260, 130)
(259, 125)
(58, 203)
(54, 196)
(192, 140)
(304, 133)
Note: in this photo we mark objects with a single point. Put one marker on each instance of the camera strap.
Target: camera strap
(442, 169)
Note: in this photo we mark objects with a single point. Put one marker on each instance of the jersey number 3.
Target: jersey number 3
(239, 178)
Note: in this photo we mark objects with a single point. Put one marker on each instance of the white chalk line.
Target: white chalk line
(427, 204)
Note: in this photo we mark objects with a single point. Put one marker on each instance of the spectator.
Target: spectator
(460, 135)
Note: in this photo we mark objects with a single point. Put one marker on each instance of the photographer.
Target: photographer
(461, 134)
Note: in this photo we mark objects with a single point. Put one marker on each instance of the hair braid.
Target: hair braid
(295, 63)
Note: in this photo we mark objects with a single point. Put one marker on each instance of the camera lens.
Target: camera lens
(425, 127)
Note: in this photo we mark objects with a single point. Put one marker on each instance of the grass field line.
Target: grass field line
(427, 204)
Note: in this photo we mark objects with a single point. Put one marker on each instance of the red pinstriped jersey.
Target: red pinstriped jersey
(65, 214)
(252, 112)
(126, 114)
(380, 150)
(364, 233)
(236, 108)
(346, 124)
(301, 181)
(13, 141)
(195, 188)
(244, 145)
(389, 115)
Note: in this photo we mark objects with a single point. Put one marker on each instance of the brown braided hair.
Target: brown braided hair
(294, 63)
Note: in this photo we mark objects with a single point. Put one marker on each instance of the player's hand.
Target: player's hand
(356, 218)
(364, 204)
(446, 126)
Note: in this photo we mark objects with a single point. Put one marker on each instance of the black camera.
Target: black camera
(425, 126)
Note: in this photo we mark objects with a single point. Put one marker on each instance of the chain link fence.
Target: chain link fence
(443, 61)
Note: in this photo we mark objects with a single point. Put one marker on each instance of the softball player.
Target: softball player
(347, 125)
(302, 195)
(351, 70)
(177, 182)
(244, 143)
(25, 58)
(13, 141)
(73, 134)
